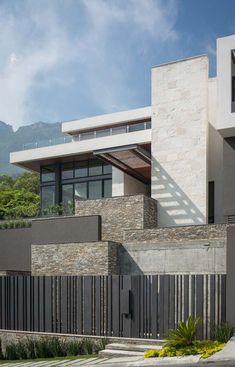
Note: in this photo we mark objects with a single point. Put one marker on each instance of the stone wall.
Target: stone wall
(179, 141)
(120, 213)
(91, 258)
(191, 249)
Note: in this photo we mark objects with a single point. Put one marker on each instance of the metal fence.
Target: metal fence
(121, 306)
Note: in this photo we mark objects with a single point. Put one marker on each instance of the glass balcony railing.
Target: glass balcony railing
(95, 134)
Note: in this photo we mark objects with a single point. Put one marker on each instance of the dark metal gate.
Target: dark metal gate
(121, 306)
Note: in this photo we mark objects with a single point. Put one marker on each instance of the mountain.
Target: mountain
(11, 141)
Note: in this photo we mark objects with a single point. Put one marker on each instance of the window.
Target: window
(48, 173)
(67, 194)
(211, 203)
(107, 188)
(107, 169)
(95, 189)
(95, 167)
(136, 127)
(47, 196)
(119, 130)
(67, 170)
(101, 133)
(81, 169)
(80, 191)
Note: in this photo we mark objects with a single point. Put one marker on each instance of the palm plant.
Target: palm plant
(184, 334)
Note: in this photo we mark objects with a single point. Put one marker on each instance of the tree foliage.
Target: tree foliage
(19, 197)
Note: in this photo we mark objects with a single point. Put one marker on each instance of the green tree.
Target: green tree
(28, 181)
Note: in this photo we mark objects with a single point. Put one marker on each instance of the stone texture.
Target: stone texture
(179, 141)
(192, 249)
(91, 258)
(120, 213)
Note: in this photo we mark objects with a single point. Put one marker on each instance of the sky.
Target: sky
(62, 60)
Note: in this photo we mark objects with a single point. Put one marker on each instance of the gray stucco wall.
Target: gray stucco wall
(192, 249)
(120, 213)
(15, 249)
(91, 258)
(66, 230)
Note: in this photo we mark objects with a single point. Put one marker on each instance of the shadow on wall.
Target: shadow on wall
(128, 264)
(175, 208)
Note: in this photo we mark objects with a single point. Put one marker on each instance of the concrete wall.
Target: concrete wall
(120, 213)
(91, 258)
(179, 141)
(215, 152)
(189, 250)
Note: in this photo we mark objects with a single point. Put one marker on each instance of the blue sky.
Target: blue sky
(67, 59)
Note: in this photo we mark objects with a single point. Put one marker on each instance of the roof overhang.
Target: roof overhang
(131, 159)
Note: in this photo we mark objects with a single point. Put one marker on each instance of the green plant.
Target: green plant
(223, 332)
(42, 348)
(184, 334)
(88, 346)
(151, 353)
(1, 353)
(56, 347)
(30, 345)
(203, 348)
(74, 347)
(21, 350)
(11, 351)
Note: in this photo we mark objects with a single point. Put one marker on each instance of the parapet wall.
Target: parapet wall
(191, 249)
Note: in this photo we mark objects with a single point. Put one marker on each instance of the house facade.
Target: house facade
(179, 151)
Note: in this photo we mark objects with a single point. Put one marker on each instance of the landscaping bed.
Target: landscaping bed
(44, 348)
(182, 341)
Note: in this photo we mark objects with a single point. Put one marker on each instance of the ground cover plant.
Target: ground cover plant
(182, 341)
(50, 348)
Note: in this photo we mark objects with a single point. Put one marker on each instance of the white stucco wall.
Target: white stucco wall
(123, 184)
(179, 141)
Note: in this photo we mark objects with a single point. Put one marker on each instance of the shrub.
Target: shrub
(151, 353)
(21, 350)
(203, 348)
(184, 334)
(1, 353)
(88, 346)
(74, 348)
(15, 224)
(223, 332)
(30, 345)
(11, 351)
(42, 348)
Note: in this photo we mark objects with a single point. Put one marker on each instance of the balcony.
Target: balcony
(95, 134)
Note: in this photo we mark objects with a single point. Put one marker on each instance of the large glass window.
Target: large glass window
(107, 188)
(67, 194)
(48, 173)
(47, 196)
(81, 169)
(80, 191)
(67, 170)
(95, 189)
(95, 167)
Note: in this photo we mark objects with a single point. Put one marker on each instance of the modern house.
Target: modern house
(154, 196)
(180, 150)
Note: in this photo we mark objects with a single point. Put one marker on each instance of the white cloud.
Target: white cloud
(36, 40)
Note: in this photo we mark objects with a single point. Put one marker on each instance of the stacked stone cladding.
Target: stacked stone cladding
(91, 258)
(120, 213)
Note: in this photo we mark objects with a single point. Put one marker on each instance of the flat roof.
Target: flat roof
(72, 127)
